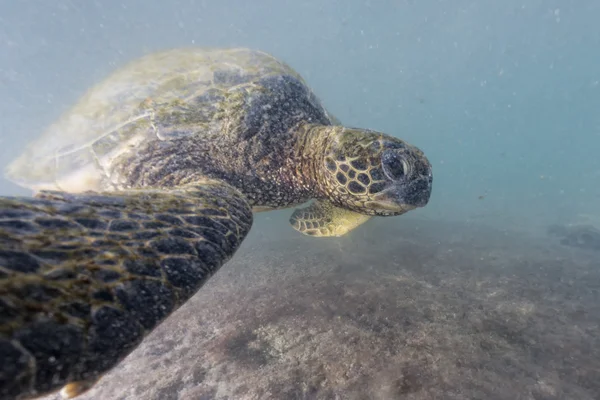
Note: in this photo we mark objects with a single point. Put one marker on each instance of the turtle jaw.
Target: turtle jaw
(387, 208)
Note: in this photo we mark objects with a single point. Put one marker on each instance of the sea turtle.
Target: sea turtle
(147, 186)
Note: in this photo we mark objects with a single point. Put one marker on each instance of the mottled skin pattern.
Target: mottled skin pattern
(84, 277)
(361, 173)
(153, 176)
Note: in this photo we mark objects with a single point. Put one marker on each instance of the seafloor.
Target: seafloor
(399, 309)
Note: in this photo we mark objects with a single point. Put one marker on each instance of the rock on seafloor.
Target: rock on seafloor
(399, 309)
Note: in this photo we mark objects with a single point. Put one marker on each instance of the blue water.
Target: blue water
(502, 96)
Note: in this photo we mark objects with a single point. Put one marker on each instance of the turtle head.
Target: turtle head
(376, 174)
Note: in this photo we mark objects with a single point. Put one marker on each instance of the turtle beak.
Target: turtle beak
(403, 197)
(417, 193)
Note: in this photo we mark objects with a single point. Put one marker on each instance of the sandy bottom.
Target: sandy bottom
(399, 309)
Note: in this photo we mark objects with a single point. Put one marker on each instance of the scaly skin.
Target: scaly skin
(85, 277)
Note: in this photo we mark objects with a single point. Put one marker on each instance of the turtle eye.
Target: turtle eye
(394, 166)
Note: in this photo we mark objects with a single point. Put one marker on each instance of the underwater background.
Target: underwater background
(502, 96)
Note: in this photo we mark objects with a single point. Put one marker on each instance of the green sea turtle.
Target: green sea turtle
(147, 186)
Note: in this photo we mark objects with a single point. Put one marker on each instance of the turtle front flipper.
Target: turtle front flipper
(322, 218)
(85, 277)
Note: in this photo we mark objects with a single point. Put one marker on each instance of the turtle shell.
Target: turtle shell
(117, 114)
